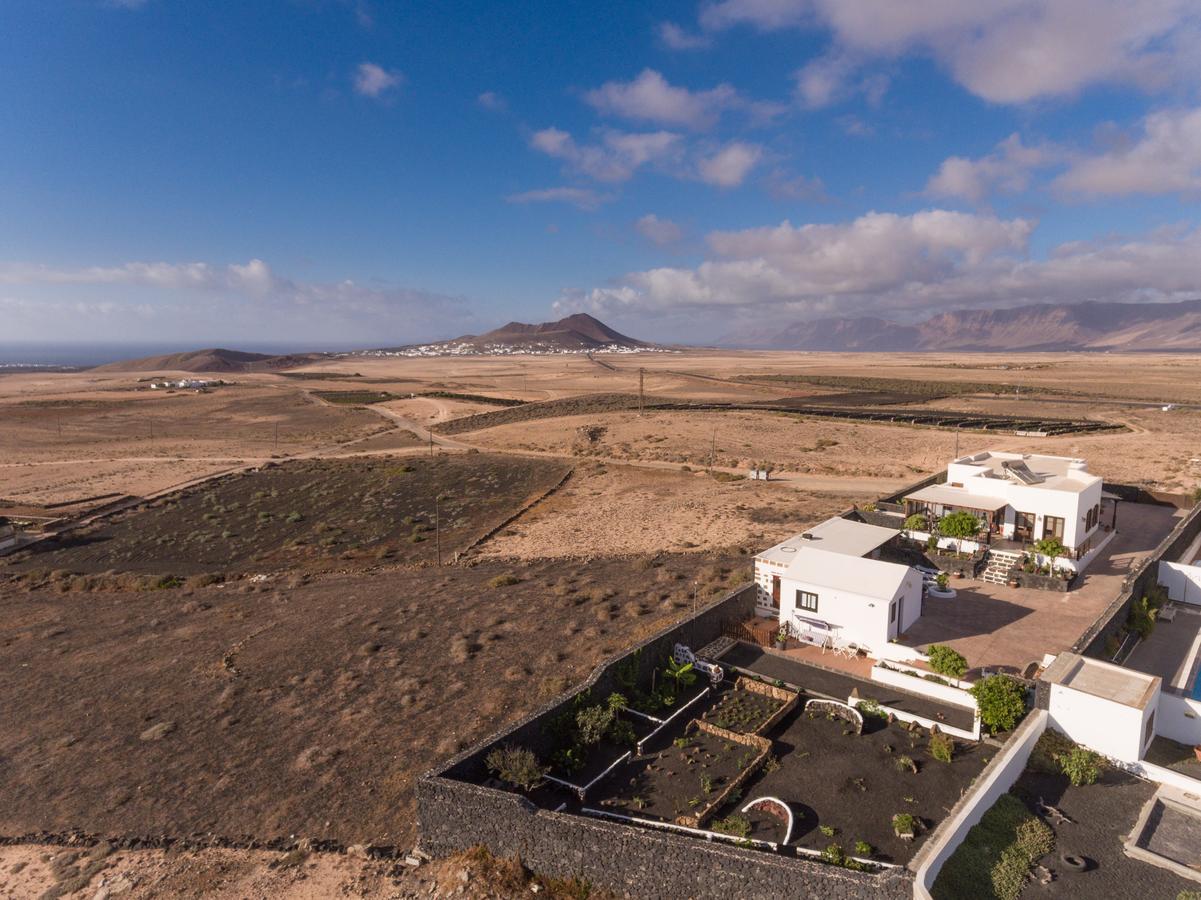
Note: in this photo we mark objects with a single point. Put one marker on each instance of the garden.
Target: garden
(857, 787)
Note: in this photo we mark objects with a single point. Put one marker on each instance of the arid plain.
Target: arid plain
(293, 682)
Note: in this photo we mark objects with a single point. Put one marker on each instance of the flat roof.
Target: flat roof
(868, 577)
(836, 535)
(1057, 473)
(953, 496)
(1102, 679)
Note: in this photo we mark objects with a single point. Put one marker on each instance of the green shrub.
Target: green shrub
(915, 522)
(870, 709)
(835, 855)
(1008, 876)
(904, 824)
(946, 660)
(942, 747)
(738, 826)
(863, 848)
(827, 830)
(1051, 547)
(593, 722)
(516, 765)
(1002, 701)
(1141, 619)
(501, 580)
(997, 852)
(1035, 838)
(1081, 765)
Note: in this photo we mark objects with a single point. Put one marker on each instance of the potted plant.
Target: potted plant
(942, 580)
(782, 637)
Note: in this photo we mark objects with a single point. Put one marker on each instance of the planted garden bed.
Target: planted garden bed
(681, 781)
(750, 707)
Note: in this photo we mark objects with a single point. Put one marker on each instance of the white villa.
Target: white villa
(829, 586)
(1020, 498)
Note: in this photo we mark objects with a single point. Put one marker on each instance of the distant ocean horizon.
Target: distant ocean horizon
(35, 353)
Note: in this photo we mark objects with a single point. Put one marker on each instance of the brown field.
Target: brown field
(263, 710)
(304, 702)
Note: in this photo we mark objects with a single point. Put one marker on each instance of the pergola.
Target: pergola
(936, 500)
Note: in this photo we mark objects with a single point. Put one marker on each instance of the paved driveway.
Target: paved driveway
(999, 626)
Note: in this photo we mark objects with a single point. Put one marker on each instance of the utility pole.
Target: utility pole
(438, 526)
(431, 443)
(641, 390)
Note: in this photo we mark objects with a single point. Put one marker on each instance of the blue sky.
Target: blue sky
(359, 171)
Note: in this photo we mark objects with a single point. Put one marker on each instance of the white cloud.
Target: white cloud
(245, 298)
(1006, 51)
(372, 80)
(766, 15)
(676, 38)
(1165, 159)
(650, 98)
(658, 231)
(902, 266)
(783, 187)
(614, 158)
(582, 198)
(729, 166)
(1006, 169)
(492, 101)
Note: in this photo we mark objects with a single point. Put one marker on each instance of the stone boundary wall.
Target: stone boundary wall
(762, 744)
(455, 813)
(638, 862)
(525, 508)
(837, 709)
(707, 625)
(1136, 584)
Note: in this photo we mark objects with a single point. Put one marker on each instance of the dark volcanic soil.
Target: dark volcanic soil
(301, 513)
(273, 709)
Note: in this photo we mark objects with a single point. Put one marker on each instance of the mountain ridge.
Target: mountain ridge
(1088, 325)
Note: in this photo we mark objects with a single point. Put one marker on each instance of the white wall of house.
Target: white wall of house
(1179, 719)
(864, 620)
(1112, 729)
(1071, 506)
(1183, 582)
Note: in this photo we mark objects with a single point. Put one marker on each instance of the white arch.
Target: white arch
(780, 803)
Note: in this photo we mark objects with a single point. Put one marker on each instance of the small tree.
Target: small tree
(946, 661)
(1052, 548)
(593, 722)
(1002, 701)
(516, 765)
(683, 675)
(915, 522)
(959, 525)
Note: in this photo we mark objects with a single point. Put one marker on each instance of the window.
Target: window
(806, 601)
(892, 612)
(1053, 527)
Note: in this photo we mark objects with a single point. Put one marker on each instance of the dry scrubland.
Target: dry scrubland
(305, 700)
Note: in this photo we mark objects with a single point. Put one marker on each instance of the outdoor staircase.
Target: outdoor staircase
(999, 564)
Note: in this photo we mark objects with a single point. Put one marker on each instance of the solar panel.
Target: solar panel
(1021, 472)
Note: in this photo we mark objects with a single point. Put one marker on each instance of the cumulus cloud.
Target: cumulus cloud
(676, 38)
(658, 231)
(581, 198)
(650, 98)
(1006, 169)
(372, 80)
(1166, 158)
(903, 266)
(730, 165)
(1006, 51)
(615, 157)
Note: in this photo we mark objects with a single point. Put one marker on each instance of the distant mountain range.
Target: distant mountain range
(212, 360)
(579, 333)
(1076, 326)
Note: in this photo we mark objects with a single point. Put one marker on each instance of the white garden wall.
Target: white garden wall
(1182, 581)
(918, 685)
(1179, 719)
(996, 779)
